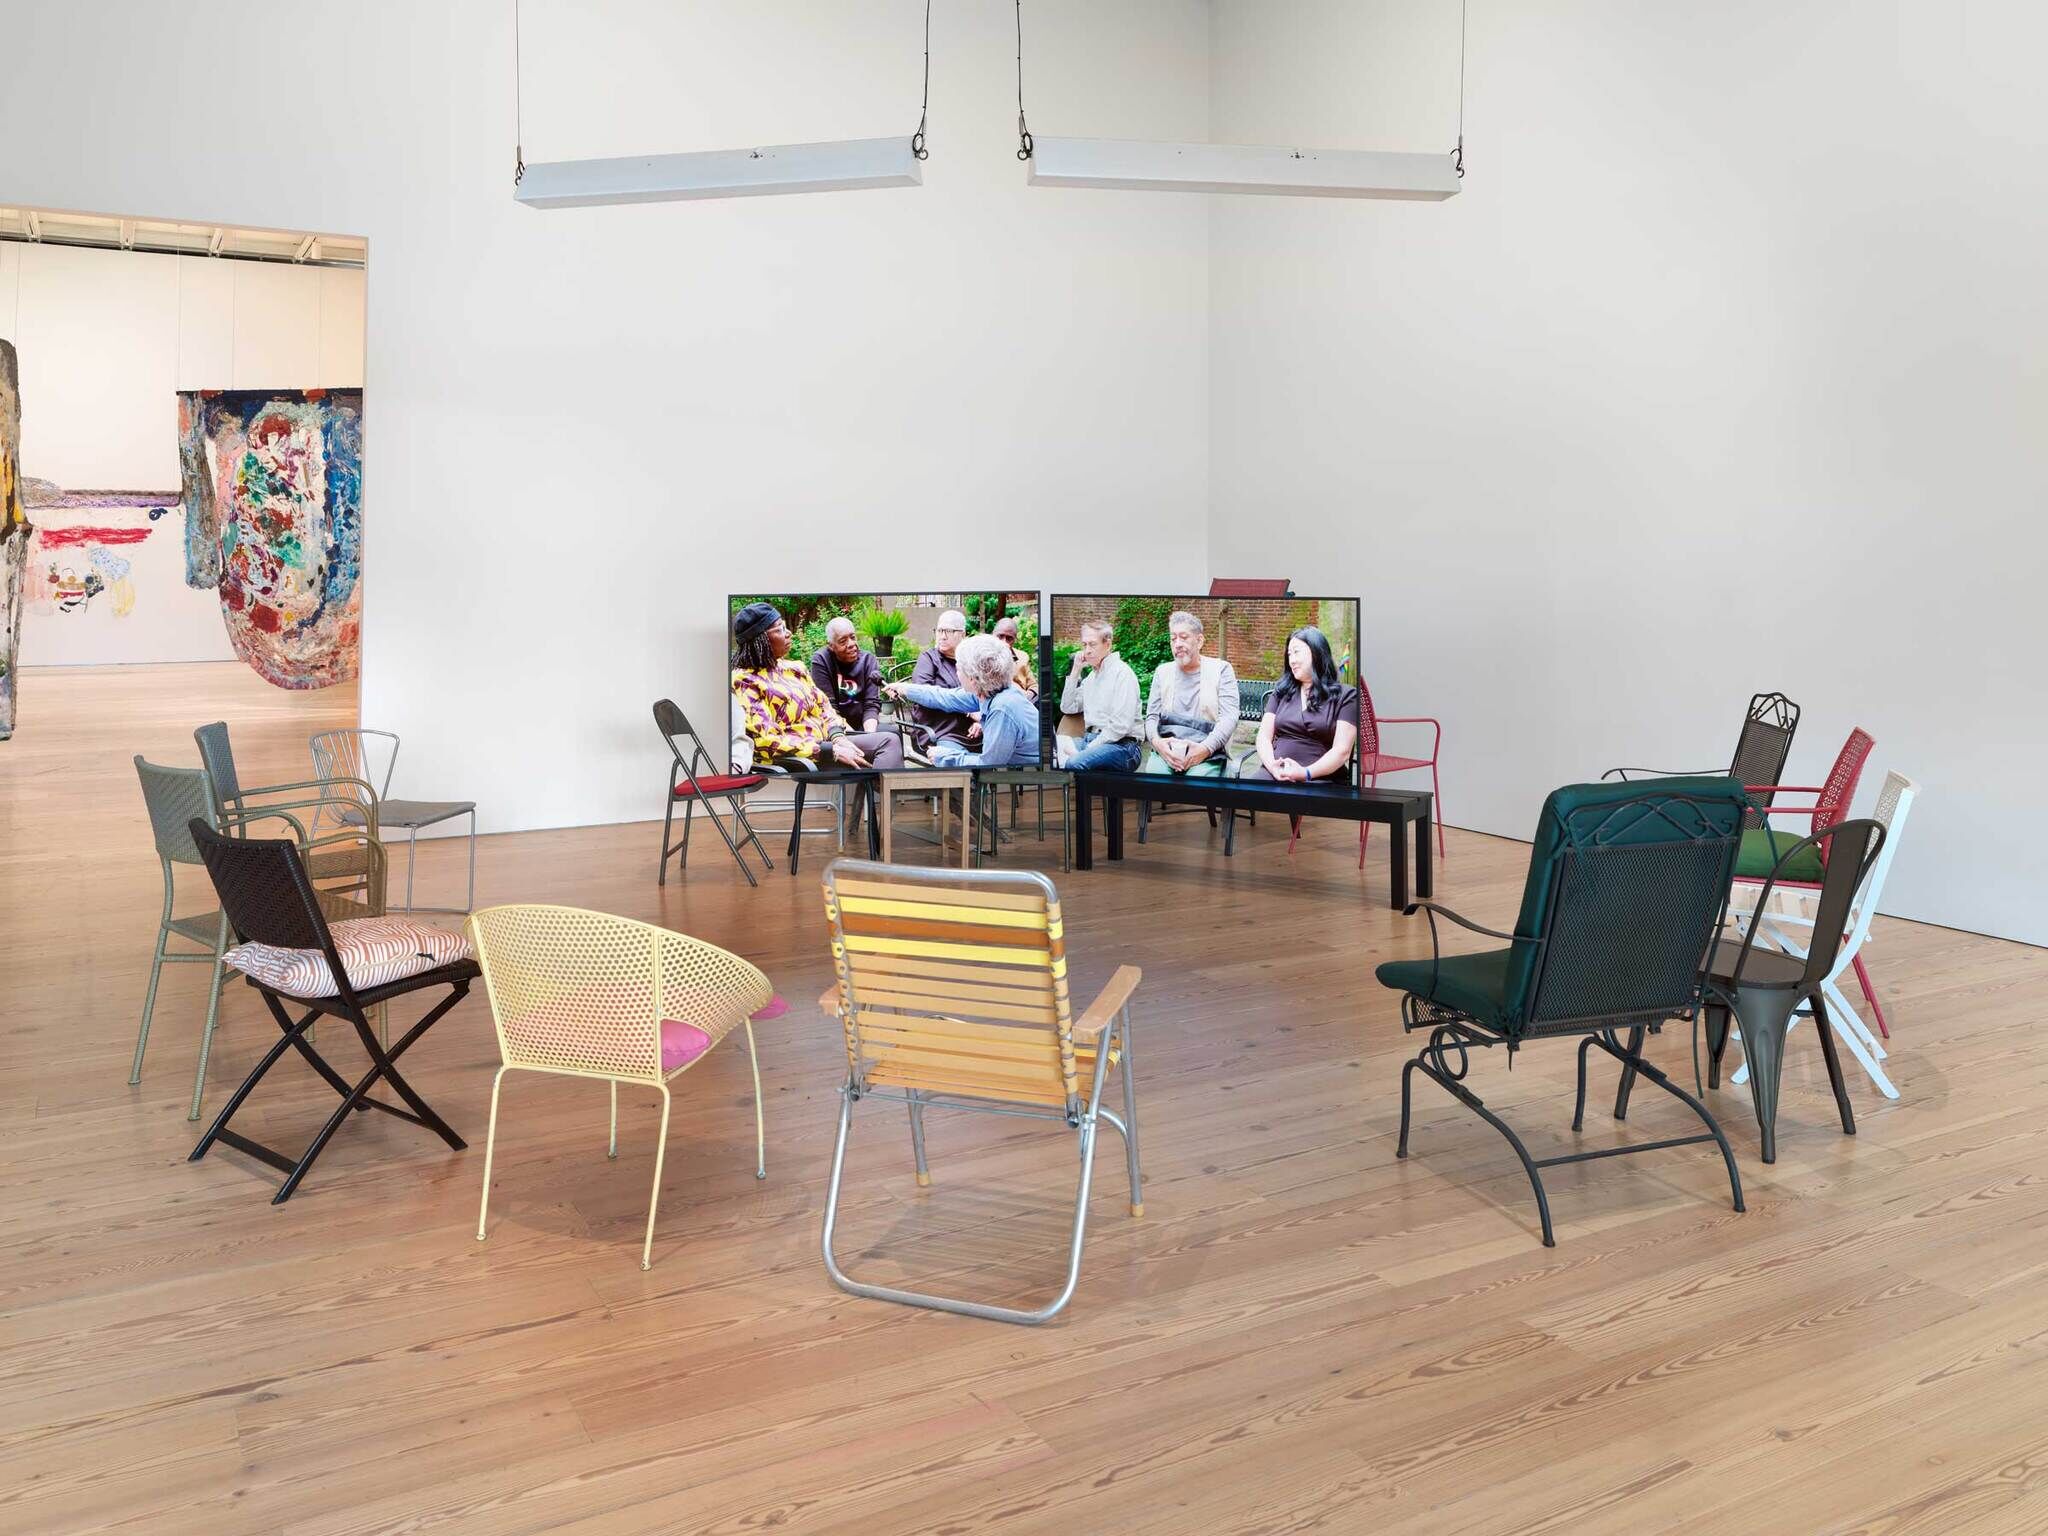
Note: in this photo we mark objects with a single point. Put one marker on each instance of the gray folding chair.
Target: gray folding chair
(349, 754)
(174, 797)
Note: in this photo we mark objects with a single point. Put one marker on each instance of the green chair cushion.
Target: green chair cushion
(1759, 857)
(1472, 984)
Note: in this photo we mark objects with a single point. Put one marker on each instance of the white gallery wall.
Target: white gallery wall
(105, 339)
(586, 426)
(1724, 373)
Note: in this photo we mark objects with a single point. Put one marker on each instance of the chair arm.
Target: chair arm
(829, 1002)
(369, 792)
(1109, 1002)
(243, 819)
(1785, 789)
(1433, 908)
(1436, 742)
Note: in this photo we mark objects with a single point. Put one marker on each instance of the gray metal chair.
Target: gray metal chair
(346, 754)
(352, 854)
(175, 796)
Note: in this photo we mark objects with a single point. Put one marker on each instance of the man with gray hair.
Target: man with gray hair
(1192, 709)
(955, 733)
(1106, 700)
(988, 686)
(850, 676)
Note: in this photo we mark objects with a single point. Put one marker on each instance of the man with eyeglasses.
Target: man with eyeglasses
(956, 733)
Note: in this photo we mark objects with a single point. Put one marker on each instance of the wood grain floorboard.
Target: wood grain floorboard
(1302, 1334)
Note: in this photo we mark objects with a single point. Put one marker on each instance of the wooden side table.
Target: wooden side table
(923, 780)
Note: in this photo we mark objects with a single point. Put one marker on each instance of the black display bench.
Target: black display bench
(1398, 809)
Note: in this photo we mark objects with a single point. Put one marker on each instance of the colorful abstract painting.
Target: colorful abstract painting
(273, 521)
(75, 555)
(15, 533)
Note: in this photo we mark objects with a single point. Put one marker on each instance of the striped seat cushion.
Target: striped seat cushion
(373, 951)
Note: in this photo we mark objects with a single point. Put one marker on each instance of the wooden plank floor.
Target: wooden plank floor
(1302, 1333)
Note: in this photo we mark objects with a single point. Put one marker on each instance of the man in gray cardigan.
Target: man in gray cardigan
(1106, 700)
(1192, 709)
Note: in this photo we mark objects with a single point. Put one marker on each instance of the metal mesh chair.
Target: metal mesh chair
(1625, 891)
(352, 854)
(267, 893)
(1761, 749)
(176, 797)
(586, 994)
(348, 755)
(685, 782)
(952, 991)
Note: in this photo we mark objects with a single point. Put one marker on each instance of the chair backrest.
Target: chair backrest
(1368, 722)
(176, 796)
(219, 760)
(1764, 744)
(264, 890)
(672, 723)
(1850, 850)
(1251, 698)
(1840, 789)
(1625, 890)
(1894, 806)
(352, 753)
(586, 992)
(1250, 586)
(953, 983)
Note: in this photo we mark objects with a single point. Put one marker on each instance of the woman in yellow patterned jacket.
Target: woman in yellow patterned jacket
(785, 714)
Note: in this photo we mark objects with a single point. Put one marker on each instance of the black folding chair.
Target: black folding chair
(694, 789)
(268, 898)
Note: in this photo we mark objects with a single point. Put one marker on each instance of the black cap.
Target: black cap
(754, 619)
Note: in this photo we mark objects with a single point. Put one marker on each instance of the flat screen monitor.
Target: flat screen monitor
(1207, 715)
(854, 647)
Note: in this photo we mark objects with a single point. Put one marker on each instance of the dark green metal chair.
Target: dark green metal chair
(1626, 890)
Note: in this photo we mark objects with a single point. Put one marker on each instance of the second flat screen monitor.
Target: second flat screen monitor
(1205, 717)
(896, 637)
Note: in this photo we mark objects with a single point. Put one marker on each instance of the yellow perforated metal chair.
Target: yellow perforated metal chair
(952, 989)
(586, 994)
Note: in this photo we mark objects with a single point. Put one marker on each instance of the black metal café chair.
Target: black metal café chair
(1765, 988)
(1627, 887)
(1761, 749)
(269, 899)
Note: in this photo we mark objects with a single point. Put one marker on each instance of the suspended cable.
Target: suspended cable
(1023, 133)
(924, 107)
(518, 111)
(1458, 155)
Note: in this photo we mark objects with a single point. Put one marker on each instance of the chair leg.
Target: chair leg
(924, 1171)
(220, 946)
(469, 902)
(689, 814)
(953, 1304)
(1473, 1102)
(668, 821)
(1764, 1017)
(612, 1147)
(1436, 805)
(738, 849)
(1870, 997)
(1229, 832)
(1844, 1021)
(156, 970)
(1825, 1028)
(412, 842)
(483, 1210)
(1628, 1073)
(760, 1117)
(1130, 1126)
(1365, 827)
(654, 1199)
(1717, 1042)
(1579, 1107)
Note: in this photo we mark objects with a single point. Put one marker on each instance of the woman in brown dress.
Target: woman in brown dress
(1311, 721)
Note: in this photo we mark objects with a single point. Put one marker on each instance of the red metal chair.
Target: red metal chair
(1761, 847)
(1372, 762)
(692, 788)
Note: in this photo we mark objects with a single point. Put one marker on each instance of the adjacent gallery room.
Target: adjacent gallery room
(1023, 765)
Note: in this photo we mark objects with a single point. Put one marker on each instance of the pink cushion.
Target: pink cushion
(774, 1008)
(681, 1043)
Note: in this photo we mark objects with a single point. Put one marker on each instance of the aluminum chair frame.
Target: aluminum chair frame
(175, 796)
(928, 1058)
(344, 754)
(535, 955)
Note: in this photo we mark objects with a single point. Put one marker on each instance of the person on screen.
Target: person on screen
(1192, 708)
(1311, 720)
(1106, 700)
(955, 733)
(1023, 677)
(1009, 718)
(850, 676)
(784, 713)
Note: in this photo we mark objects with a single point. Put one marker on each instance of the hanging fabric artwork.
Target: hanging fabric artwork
(273, 521)
(14, 534)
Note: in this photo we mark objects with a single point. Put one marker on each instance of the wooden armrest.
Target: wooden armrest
(1109, 1002)
(829, 1003)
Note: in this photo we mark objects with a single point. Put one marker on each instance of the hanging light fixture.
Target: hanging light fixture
(838, 165)
(1273, 170)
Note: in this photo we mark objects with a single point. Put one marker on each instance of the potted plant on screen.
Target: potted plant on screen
(881, 626)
